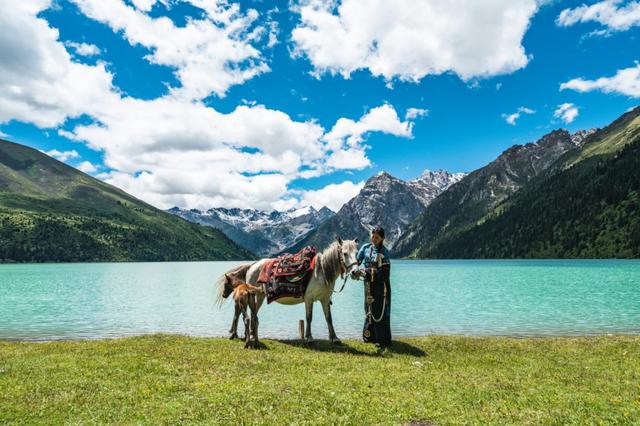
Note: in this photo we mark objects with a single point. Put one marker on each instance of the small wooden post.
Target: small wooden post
(301, 329)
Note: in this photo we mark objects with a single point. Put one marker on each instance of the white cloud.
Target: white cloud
(614, 14)
(346, 137)
(144, 5)
(413, 113)
(567, 112)
(511, 118)
(62, 155)
(333, 196)
(87, 167)
(83, 49)
(172, 150)
(192, 155)
(39, 83)
(409, 39)
(209, 55)
(625, 82)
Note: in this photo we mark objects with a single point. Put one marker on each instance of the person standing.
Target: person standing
(377, 268)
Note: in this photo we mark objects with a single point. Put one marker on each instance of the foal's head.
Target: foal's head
(229, 284)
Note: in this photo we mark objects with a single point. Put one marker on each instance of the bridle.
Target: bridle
(344, 269)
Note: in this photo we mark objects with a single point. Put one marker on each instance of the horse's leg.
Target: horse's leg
(308, 306)
(326, 307)
(234, 323)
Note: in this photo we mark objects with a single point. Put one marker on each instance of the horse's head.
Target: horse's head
(349, 249)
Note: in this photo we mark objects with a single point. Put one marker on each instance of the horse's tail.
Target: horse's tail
(238, 272)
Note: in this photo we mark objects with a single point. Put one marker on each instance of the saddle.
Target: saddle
(288, 275)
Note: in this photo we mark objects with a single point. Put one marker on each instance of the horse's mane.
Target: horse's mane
(329, 261)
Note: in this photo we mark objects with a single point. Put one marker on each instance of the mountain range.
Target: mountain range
(585, 205)
(467, 202)
(264, 233)
(51, 212)
(565, 195)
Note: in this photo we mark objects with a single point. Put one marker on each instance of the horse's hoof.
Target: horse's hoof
(336, 341)
(310, 340)
(233, 336)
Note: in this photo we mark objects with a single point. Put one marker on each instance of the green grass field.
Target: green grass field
(440, 380)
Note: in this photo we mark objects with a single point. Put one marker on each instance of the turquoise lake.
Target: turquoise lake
(501, 297)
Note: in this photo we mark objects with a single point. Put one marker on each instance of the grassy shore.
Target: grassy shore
(165, 379)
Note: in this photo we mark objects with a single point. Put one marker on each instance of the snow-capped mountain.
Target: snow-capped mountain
(264, 233)
(386, 201)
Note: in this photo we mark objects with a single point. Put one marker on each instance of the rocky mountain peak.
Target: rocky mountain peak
(579, 137)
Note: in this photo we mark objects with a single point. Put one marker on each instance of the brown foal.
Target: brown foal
(244, 296)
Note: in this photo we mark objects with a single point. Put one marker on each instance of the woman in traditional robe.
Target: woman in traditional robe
(377, 266)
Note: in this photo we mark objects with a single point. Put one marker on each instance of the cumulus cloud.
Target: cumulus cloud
(87, 167)
(333, 195)
(567, 112)
(209, 54)
(409, 39)
(83, 49)
(616, 15)
(173, 150)
(346, 137)
(188, 154)
(625, 82)
(62, 155)
(39, 82)
(511, 118)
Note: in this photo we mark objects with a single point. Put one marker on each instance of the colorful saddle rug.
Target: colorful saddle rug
(288, 275)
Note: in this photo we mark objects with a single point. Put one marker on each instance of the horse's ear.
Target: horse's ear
(339, 240)
(227, 277)
(355, 240)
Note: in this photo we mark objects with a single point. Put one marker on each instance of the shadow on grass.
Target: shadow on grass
(397, 347)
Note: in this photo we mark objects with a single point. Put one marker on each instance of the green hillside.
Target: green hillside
(51, 212)
(586, 206)
(466, 203)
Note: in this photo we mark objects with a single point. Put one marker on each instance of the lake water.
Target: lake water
(506, 297)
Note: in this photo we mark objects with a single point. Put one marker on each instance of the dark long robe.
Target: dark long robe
(378, 332)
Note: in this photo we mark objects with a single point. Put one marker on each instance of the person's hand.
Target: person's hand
(356, 274)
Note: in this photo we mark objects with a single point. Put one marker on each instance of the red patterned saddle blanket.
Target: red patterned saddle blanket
(288, 275)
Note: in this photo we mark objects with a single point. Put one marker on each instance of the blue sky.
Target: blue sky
(244, 108)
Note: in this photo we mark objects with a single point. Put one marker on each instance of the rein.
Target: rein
(370, 317)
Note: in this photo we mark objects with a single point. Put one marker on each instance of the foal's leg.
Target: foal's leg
(308, 306)
(247, 325)
(326, 307)
(254, 320)
(234, 323)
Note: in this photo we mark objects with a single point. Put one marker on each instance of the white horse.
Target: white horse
(336, 260)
